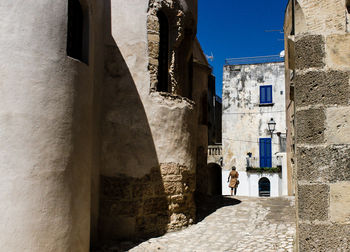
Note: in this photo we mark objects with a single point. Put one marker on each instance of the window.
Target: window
(78, 32)
(348, 5)
(266, 94)
(265, 152)
(163, 57)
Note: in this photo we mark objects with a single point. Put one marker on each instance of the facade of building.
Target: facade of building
(317, 48)
(98, 140)
(214, 160)
(253, 95)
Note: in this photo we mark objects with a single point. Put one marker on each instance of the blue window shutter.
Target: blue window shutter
(269, 94)
(262, 152)
(265, 152)
(268, 154)
(262, 94)
(266, 94)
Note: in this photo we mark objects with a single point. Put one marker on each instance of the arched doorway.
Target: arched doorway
(264, 187)
(214, 179)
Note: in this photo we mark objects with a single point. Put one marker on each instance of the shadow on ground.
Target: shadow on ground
(206, 205)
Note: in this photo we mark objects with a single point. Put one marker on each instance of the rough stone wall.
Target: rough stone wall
(322, 99)
(181, 36)
(148, 146)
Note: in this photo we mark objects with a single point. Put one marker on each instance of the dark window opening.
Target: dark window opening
(78, 32)
(264, 187)
(163, 57)
(348, 5)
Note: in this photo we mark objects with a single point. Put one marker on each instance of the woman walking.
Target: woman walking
(234, 180)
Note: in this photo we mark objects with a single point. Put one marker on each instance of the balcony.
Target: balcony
(214, 150)
(215, 154)
(253, 165)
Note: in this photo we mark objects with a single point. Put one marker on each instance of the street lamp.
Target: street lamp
(271, 124)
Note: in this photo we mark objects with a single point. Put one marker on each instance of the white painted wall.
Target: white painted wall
(249, 182)
(244, 121)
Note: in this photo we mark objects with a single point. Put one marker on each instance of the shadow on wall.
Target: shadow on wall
(133, 203)
(215, 180)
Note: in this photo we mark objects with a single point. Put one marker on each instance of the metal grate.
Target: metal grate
(254, 60)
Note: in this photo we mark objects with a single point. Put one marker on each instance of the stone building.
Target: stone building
(214, 160)
(101, 121)
(317, 43)
(253, 97)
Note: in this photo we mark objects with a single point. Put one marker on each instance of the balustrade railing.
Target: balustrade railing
(254, 162)
(215, 150)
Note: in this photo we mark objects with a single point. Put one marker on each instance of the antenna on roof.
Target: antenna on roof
(211, 57)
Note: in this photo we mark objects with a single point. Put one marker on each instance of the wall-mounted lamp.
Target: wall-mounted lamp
(272, 125)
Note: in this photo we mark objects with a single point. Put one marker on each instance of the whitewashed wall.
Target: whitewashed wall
(244, 121)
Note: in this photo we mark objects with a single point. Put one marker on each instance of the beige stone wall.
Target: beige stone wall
(91, 151)
(149, 138)
(322, 98)
(289, 89)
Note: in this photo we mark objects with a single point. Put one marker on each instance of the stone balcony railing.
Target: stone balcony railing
(254, 162)
(215, 154)
(214, 150)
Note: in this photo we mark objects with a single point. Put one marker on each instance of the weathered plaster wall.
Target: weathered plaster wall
(244, 121)
(46, 129)
(322, 101)
(148, 137)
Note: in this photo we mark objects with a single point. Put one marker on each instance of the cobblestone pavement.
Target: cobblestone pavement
(254, 224)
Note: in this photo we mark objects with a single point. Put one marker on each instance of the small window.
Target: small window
(265, 94)
(78, 32)
(348, 5)
(163, 57)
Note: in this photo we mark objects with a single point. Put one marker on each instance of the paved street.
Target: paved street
(245, 224)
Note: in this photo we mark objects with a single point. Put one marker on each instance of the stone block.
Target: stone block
(152, 225)
(158, 189)
(152, 25)
(172, 178)
(153, 49)
(124, 208)
(121, 227)
(116, 187)
(313, 202)
(338, 125)
(338, 51)
(170, 169)
(142, 190)
(312, 165)
(310, 126)
(330, 164)
(323, 237)
(309, 52)
(155, 205)
(173, 188)
(319, 87)
(340, 202)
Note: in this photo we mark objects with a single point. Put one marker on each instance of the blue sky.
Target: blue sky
(236, 28)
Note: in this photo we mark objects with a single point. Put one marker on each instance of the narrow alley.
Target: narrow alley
(241, 224)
